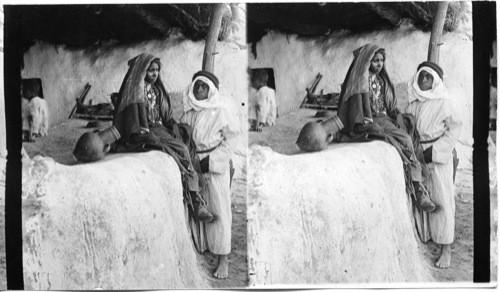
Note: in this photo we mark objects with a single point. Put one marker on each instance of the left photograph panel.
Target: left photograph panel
(133, 151)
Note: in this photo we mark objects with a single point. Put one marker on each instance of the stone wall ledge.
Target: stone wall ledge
(119, 223)
(336, 216)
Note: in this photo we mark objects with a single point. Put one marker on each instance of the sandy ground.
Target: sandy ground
(282, 137)
(59, 145)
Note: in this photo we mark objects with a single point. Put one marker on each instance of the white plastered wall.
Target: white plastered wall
(65, 72)
(296, 62)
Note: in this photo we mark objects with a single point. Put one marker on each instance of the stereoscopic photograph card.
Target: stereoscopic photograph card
(248, 145)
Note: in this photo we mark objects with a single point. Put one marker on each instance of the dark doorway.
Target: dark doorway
(33, 85)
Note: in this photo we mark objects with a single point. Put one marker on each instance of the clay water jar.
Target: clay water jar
(315, 136)
(92, 146)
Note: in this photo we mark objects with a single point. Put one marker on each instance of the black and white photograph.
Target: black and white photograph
(280, 145)
(360, 150)
(134, 150)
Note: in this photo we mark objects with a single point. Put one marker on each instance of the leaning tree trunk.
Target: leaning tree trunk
(212, 35)
(437, 31)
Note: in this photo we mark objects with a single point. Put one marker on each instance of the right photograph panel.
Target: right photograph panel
(360, 143)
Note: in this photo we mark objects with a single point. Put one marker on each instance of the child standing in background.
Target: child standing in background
(263, 101)
(35, 111)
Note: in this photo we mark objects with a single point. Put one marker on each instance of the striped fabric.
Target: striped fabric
(130, 121)
(355, 97)
(357, 79)
(132, 89)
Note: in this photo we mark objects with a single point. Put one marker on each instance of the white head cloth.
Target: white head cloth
(438, 90)
(213, 100)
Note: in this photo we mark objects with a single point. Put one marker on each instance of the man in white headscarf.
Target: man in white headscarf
(439, 125)
(214, 127)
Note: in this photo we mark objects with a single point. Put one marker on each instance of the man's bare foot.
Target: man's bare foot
(223, 267)
(444, 259)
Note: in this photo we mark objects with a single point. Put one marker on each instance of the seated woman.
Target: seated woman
(367, 108)
(143, 117)
(439, 127)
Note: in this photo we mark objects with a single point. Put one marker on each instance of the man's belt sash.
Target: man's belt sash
(432, 140)
(207, 150)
